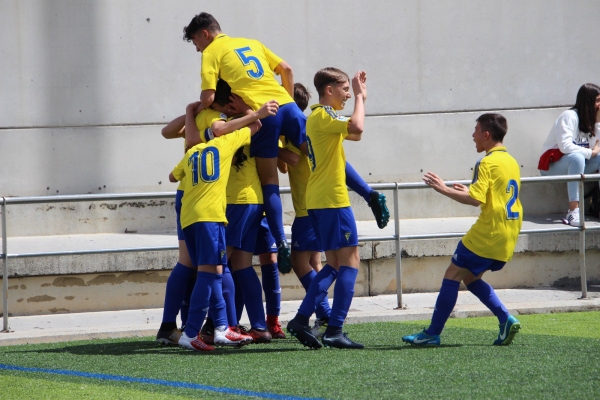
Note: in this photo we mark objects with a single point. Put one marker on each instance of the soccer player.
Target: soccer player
(328, 204)
(205, 172)
(490, 242)
(250, 68)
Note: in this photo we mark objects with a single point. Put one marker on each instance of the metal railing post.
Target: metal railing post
(4, 270)
(582, 268)
(398, 249)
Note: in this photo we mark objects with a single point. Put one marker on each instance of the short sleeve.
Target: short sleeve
(290, 146)
(273, 59)
(179, 170)
(210, 72)
(481, 182)
(334, 123)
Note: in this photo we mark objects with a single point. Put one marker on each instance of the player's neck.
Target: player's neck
(326, 101)
(492, 146)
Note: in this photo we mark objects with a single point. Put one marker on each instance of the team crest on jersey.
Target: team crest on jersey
(347, 235)
(223, 252)
(223, 116)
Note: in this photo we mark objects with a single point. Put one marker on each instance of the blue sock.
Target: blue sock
(443, 306)
(343, 292)
(252, 293)
(199, 303)
(486, 294)
(185, 304)
(274, 211)
(175, 292)
(317, 290)
(229, 297)
(322, 309)
(239, 298)
(270, 284)
(356, 183)
(217, 303)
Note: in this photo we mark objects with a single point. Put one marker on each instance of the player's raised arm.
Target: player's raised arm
(175, 128)
(357, 120)
(284, 70)
(457, 192)
(192, 136)
(221, 127)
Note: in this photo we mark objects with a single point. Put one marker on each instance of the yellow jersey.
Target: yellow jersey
(204, 121)
(247, 66)
(496, 184)
(204, 171)
(298, 176)
(325, 131)
(244, 184)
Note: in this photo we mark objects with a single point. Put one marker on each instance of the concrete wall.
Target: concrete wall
(86, 86)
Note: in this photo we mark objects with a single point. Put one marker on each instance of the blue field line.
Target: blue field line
(183, 385)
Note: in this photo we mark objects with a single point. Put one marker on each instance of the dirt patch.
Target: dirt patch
(66, 281)
(58, 310)
(69, 297)
(38, 299)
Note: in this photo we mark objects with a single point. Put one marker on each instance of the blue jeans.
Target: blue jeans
(573, 164)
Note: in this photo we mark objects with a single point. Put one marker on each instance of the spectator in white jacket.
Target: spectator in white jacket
(573, 145)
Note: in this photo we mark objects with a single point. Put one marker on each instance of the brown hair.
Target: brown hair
(328, 76)
(301, 95)
(585, 105)
(202, 21)
(495, 124)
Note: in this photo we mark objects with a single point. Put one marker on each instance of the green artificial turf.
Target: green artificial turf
(554, 356)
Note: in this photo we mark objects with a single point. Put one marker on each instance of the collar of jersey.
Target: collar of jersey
(500, 148)
(315, 106)
(219, 36)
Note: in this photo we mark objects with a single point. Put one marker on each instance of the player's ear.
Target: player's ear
(329, 90)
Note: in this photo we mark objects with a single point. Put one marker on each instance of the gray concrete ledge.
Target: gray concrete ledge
(418, 306)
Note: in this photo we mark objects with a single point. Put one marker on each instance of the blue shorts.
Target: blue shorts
(243, 223)
(334, 227)
(303, 235)
(289, 121)
(178, 198)
(205, 242)
(465, 258)
(265, 242)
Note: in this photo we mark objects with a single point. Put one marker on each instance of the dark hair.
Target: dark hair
(328, 76)
(240, 157)
(301, 95)
(222, 93)
(495, 124)
(585, 105)
(202, 21)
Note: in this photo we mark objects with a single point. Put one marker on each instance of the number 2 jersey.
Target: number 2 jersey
(496, 184)
(204, 171)
(247, 66)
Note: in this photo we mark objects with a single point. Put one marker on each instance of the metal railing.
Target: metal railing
(397, 237)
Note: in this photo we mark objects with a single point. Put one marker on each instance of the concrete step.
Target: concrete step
(418, 306)
(94, 282)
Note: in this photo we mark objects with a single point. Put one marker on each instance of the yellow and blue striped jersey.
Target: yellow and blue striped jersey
(325, 131)
(247, 66)
(204, 171)
(496, 184)
(298, 176)
(244, 184)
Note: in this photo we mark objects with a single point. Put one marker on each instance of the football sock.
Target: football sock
(317, 290)
(443, 306)
(356, 183)
(217, 307)
(167, 326)
(486, 294)
(343, 292)
(252, 293)
(270, 284)
(185, 305)
(229, 297)
(322, 309)
(274, 211)
(239, 298)
(176, 287)
(199, 303)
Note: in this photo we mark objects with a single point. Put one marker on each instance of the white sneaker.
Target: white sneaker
(228, 337)
(572, 218)
(196, 344)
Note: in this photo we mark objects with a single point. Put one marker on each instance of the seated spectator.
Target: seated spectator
(572, 146)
